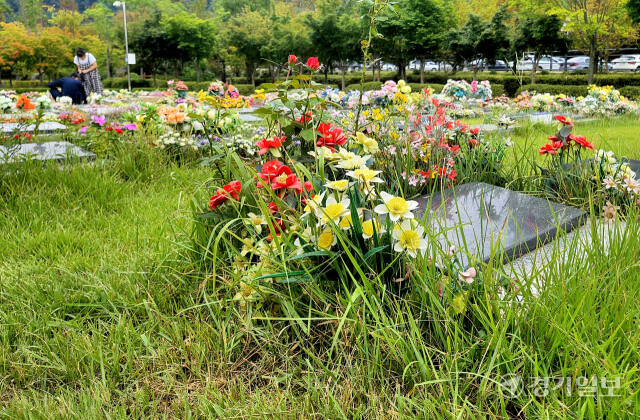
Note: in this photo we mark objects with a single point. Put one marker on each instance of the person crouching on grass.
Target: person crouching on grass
(88, 70)
(68, 86)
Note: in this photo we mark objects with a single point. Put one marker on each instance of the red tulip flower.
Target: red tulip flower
(292, 60)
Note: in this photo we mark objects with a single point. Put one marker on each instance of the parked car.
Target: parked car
(388, 67)
(578, 63)
(428, 65)
(499, 65)
(550, 63)
(626, 63)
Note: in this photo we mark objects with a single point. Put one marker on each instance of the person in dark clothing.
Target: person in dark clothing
(69, 86)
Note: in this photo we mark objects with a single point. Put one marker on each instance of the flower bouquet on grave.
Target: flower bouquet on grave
(5, 103)
(566, 171)
(24, 103)
(182, 89)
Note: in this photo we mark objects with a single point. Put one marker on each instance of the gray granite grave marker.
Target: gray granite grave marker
(53, 150)
(44, 127)
(477, 217)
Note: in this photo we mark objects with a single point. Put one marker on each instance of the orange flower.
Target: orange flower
(25, 103)
(172, 115)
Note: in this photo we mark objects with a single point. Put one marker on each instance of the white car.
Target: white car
(578, 63)
(428, 65)
(550, 63)
(626, 63)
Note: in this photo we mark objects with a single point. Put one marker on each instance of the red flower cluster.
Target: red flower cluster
(442, 172)
(116, 129)
(25, 135)
(330, 136)
(313, 63)
(232, 189)
(266, 144)
(280, 177)
(555, 145)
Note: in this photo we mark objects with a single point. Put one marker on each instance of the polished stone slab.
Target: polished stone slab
(53, 150)
(249, 118)
(535, 271)
(44, 127)
(477, 218)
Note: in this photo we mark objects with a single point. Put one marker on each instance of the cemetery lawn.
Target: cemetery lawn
(103, 314)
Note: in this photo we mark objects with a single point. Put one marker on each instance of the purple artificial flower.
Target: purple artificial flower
(100, 120)
(83, 130)
(130, 127)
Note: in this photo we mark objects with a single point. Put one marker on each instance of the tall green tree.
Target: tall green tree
(192, 39)
(248, 33)
(335, 36)
(462, 43)
(423, 22)
(101, 20)
(542, 35)
(150, 45)
(595, 25)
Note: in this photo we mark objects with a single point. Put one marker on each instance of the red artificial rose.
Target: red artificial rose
(551, 148)
(330, 136)
(473, 142)
(292, 60)
(231, 189)
(582, 141)
(313, 63)
(563, 120)
(272, 169)
(475, 131)
(290, 181)
(266, 144)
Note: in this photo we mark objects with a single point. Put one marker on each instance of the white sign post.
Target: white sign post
(131, 59)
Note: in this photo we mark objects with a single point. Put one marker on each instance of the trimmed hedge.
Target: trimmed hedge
(569, 90)
(631, 92)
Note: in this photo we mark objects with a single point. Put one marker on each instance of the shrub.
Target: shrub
(568, 90)
(631, 92)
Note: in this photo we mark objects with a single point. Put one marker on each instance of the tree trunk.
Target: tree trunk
(155, 83)
(592, 59)
(326, 74)
(224, 71)
(342, 72)
(534, 67)
(198, 71)
(422, 71)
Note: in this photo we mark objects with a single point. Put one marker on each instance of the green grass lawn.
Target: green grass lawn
(103, 314)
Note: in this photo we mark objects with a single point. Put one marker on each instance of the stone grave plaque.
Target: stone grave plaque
(249, 118)
(53, 150)
(477, 217)
(634, 165)
(47, 127)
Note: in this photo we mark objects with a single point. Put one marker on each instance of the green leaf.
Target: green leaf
(308, 134)
(374, 251)
(458, 303)
(309, 255)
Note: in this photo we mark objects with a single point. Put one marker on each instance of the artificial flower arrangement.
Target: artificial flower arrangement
(5, 103)
(24, 103)
(461, 89)
(287, 219)
(43, 102)
(619, 186)
(604, 101)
